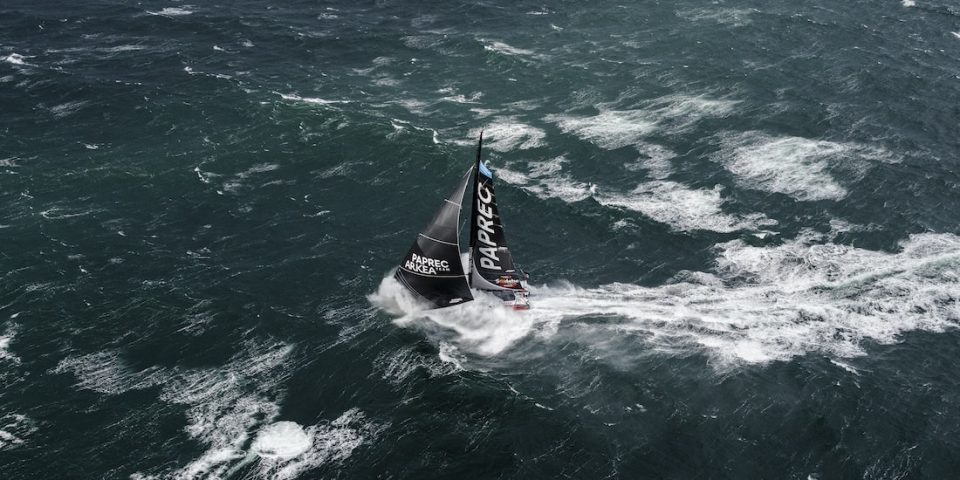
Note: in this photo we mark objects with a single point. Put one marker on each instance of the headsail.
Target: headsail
(432, 267)
(492, 266)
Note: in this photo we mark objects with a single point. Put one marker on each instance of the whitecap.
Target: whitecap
(845, 366)
(305, 449)
(508, 134)
(281, 441)
(122, 48)
(60, 213)
(105, 372)
(15, 59)
(258, 168)
(311, 100)
(5, 353)
(504, 49)
(655, 160)
(552, 186)
(67, 109)
(729, 16)
(15, 430)
(172, 12)
(677, 205)
(610, 129)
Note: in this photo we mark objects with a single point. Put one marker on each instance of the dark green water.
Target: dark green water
(740, 219)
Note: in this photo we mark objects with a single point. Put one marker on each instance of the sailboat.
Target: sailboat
(432, 269)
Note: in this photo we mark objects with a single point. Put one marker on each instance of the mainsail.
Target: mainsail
(432, 267)
(492, 266)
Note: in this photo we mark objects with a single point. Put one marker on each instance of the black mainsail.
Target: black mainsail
(491, 264)
(432, 267)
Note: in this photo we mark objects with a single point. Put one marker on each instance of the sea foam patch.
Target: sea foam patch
(800, 167)
(286, 449)
(310, 100)
(15, 430)
(5, 339)
(506, 134)
(66, 109)
(683, 208)
(105, 372)
(16, 59)
(232, 411)
(511, 51)
(728, 16)
(548, 186)
(612, 129)
(173, 11)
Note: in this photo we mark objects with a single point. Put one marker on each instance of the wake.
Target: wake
(756, 305)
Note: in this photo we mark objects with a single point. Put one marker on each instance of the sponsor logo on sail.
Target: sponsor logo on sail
(426, 265)
(485, 244)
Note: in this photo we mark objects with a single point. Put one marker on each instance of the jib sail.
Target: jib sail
(491, 261)
(432, 267)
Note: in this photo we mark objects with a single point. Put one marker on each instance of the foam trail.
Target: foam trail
(286, 449)
(483, 326)
(172, 12)
(758, 304)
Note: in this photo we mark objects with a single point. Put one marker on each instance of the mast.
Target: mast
(491, 263)
(473, 209)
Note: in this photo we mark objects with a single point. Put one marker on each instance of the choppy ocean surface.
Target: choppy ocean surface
(740, 219)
